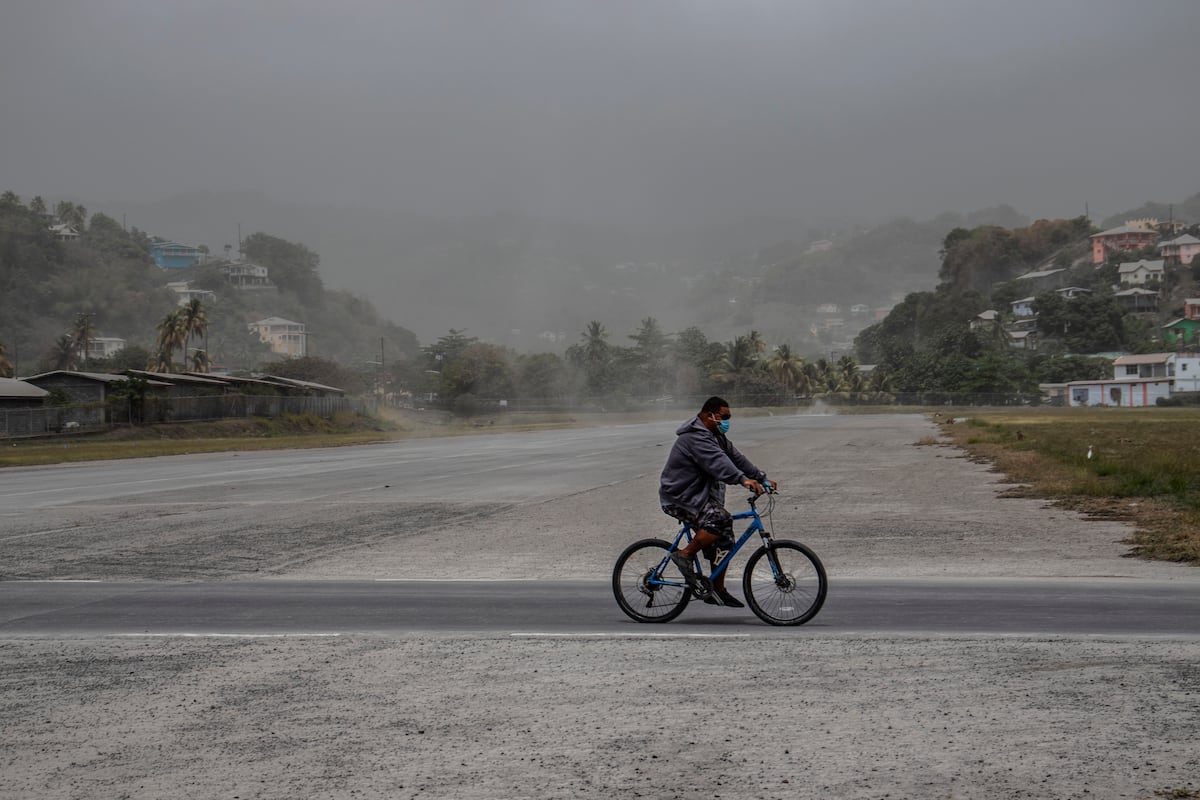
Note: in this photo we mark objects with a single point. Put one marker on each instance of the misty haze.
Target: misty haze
(516, 171)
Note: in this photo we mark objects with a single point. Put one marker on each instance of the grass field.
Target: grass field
(1144, 465)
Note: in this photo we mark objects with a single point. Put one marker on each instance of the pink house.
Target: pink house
(1180, 250)
(1191, 308)
(1123, 238)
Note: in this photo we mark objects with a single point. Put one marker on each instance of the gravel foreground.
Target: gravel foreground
(785, 714)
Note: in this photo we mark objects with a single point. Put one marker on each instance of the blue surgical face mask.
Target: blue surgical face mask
(723, 426)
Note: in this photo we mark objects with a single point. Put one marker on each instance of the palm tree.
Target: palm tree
(172, 334)
(595, 356)
(736, 362)
(200, 361)
(82, 333)
(6, 367)
(787, 367)
(822, 377)
(64, 353)
(195, 323)
(850, 378)
(757, 342)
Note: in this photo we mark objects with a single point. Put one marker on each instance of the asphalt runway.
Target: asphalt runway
(853, 607)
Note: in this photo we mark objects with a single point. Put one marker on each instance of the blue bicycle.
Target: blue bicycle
(784, 582)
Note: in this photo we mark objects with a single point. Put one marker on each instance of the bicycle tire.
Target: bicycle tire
(638, 597)
(796, 595)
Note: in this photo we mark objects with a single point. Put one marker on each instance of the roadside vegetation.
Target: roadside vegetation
(1139, 465)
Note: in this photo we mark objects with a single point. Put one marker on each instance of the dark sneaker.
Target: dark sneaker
(727, 599)
(698, 584)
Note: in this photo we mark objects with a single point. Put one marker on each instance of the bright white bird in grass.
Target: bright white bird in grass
(1089, 452)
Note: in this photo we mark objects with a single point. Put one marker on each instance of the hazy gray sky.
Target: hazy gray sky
(608, 110)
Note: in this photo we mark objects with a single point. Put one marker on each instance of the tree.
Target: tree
(292, 266)
(131, 356)
(71, 214)
(540, 376)
(195, 324)
(737, 364)
(82, 333)
(483, 371)
(849, 377)
(650, 353)
(757, 343)
(200, 361)
(787, 368)
(594, 356)
(64, 354)
(172, 334)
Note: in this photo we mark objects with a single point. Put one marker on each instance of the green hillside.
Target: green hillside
(96, 278)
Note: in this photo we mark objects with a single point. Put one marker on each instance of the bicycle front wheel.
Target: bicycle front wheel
(786, 584)
(648, 587)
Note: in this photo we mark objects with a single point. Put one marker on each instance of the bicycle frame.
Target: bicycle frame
(685, 535)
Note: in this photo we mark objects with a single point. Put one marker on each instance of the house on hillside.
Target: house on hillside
(1042, 279)
(1123, 239)
(1180, 251)
(1023, 307)
(985, 320)
(187, 293)
(1071, 292)
(1137, 299)
(244, 275)
(1182, 331)
(173, 255)
(64, 232)
(1023, 339)
(285, 336)
(1141, 273)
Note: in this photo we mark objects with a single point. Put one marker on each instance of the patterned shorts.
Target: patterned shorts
(713, 518)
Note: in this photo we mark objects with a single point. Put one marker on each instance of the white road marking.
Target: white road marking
(630, 635)
(229, 635)
(58, 580)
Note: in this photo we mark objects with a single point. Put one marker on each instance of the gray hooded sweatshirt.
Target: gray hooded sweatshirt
(700, 464)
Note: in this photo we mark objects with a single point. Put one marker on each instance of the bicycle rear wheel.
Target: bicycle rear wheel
(785, 585)
(648, 587)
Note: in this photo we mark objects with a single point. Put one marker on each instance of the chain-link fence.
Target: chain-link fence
(126, 410)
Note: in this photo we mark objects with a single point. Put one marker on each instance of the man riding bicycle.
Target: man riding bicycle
(692, 490)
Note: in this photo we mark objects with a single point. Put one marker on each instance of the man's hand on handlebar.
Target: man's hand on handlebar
(760, 488)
